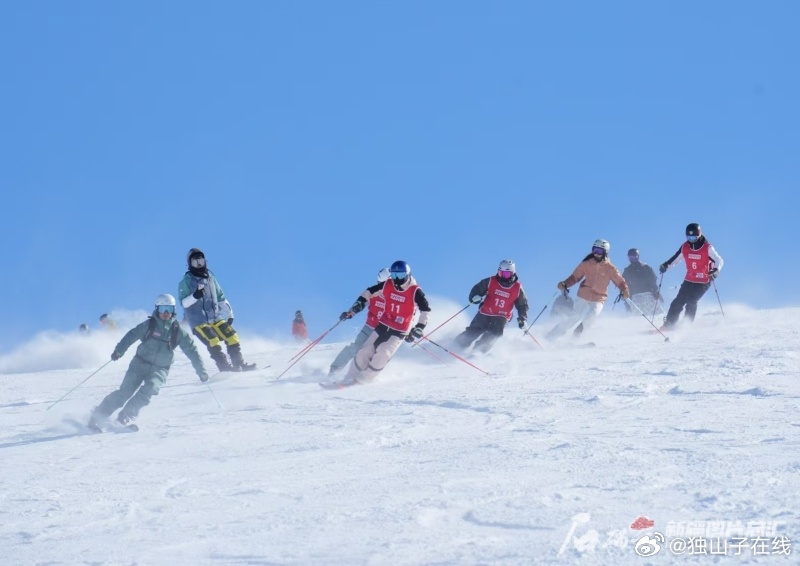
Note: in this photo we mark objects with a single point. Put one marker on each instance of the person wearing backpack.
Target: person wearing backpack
(160, 334)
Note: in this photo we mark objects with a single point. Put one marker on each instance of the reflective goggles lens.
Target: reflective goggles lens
(633, 257)
(198, 262)
(598, 250)
(691, 239)
(505, 273)
(166, 308)
(399, 275)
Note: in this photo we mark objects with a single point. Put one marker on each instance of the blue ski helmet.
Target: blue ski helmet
(399, 271)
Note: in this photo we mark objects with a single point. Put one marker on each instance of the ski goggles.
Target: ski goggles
(166, 308)
(597, 250)
(505, 273)
(691, 239)
(399, 275)
(633, 257)
(199, 261)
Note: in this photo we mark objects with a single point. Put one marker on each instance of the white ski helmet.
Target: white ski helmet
(507, 265)
(165, 300)
(383, 275)
(602, 244)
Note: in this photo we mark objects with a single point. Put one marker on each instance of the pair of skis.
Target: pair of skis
(108, 426)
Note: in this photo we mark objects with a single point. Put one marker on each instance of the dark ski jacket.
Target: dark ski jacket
(640, 278)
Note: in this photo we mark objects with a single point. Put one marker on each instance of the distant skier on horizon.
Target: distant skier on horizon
(107, 323)
(299, 329)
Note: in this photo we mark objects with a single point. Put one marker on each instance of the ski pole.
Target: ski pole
(81, 383)
(314, 342)
(718, 299)
(306, 347)
(618, 299)
(534, 339)
(432, 354)
(650, 322)
(442, 324)
(455, 355)
(212, 394)
(541, 311)
(658, 294)
(306, 350)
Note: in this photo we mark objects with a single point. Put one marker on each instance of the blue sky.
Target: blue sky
(305, 145)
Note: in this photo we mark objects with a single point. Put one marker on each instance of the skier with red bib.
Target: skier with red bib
(497, 296)
(402, 296)
(703, 265)
(375, 309)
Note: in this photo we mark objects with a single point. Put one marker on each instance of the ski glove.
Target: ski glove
(626, 294)
(415, 334)
(115, 355)
(562, 286)
(713, 274)
(345, 315)
(204, 377)
(521, 322)
(662, 268)
(198, 293)
(476, 299)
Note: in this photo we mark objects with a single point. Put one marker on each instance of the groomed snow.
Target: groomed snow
(433, 463)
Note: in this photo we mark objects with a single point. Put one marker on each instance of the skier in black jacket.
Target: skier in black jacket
(641, 279)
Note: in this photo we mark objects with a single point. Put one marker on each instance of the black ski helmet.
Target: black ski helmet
(694, 229)
(194, 252)
(633, 251)
(196, 271)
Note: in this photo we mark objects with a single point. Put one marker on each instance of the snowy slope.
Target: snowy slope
(433, 463)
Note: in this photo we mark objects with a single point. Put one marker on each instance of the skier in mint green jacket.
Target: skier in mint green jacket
(160, 334)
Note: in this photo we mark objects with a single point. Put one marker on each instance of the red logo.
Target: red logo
(642, 523)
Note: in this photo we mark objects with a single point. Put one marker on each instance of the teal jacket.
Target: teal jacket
(211, 308)
(157, 347)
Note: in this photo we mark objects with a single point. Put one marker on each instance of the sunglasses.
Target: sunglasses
(596, 250)
(505, 273)
(198, 262)
(166, 308)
